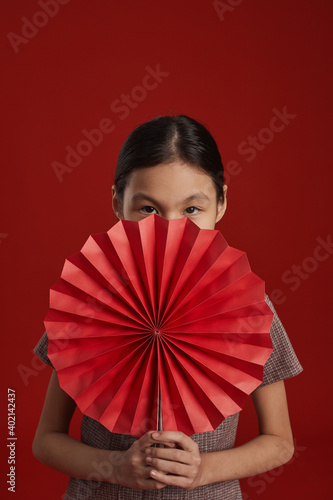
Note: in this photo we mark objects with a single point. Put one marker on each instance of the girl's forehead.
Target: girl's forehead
(176, 176)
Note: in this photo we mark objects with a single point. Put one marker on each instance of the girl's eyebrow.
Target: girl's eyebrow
(199, 195)
(142, 197)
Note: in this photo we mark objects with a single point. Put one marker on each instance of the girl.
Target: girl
(170, 166)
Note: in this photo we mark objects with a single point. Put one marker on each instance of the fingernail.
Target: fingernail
(155, 435)
(149, 459)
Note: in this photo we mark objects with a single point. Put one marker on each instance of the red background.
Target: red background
(228, 73)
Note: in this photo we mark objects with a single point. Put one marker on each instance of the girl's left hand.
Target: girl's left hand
(175, 466)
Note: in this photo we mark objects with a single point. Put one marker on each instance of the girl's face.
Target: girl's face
(172, 191)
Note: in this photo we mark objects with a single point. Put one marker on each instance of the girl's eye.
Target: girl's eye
(192, 210)
(147, 209)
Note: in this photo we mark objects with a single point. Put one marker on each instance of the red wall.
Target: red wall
(233, 67)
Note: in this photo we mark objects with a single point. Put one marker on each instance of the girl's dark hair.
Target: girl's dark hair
(166, 139)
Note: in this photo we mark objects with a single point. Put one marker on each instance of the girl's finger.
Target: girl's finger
(173, 455)
(167, 466)
(179, 438)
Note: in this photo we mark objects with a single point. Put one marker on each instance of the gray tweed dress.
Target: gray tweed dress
(281, 364)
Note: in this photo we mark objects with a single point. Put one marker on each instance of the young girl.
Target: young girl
(170, 166)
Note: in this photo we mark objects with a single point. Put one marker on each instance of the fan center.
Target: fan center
(156, 330)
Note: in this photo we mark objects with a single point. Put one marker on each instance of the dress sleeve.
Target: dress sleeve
(283, 362)
(41, 349)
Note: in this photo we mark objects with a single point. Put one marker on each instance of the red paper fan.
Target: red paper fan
(158, 320)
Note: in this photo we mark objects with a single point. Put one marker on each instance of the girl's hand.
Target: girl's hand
(175, 466)
(131, 468)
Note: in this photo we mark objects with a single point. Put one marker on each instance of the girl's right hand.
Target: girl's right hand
(130, 466)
